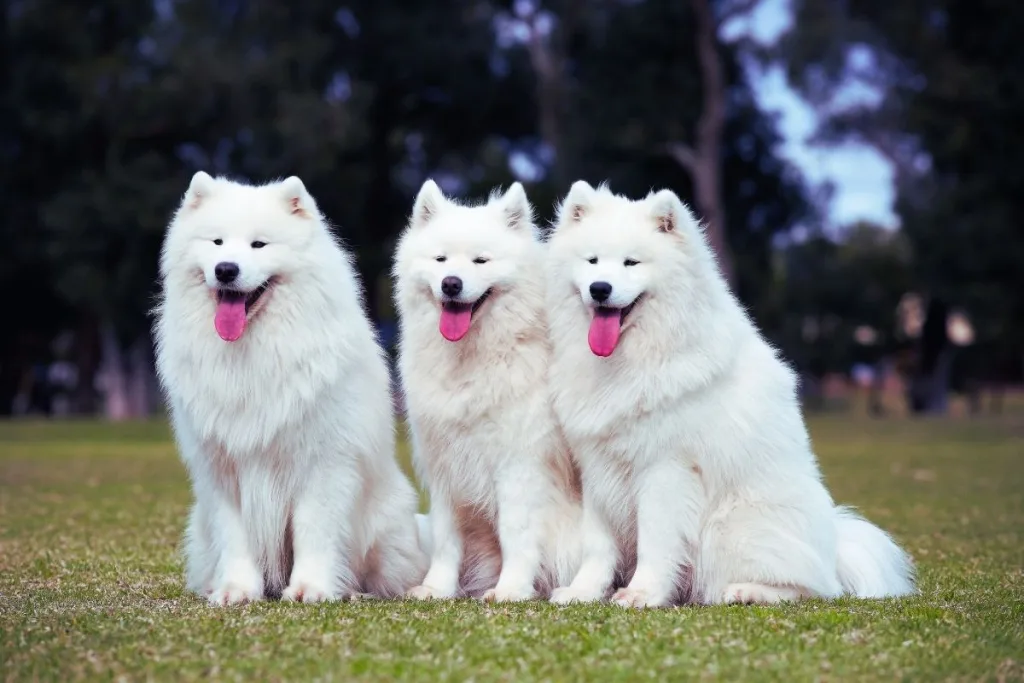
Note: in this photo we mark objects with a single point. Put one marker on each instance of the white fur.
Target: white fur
(504, 493)
(693, 450)
(287, 433)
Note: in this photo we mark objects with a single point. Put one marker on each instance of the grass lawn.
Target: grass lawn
(91, 583)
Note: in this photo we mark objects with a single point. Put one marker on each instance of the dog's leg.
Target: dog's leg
(320, 571)
(670, 498)
(600, 556)
(442, 579)
(238, 578)
(215, 527)
(200, 557)
(521, 527)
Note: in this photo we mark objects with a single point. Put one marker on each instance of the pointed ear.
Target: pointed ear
(201, 187)
(668, 211)
(516, 207)
(429, 202)
(300, 203)
(577, 203)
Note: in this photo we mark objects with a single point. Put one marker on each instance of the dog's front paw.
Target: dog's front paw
(569, 595)
(307, 591)
(636, 597)
(234, 593)
(506, 595)
(425, 592)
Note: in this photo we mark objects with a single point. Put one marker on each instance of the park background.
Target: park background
(846, 156)
(858, 166)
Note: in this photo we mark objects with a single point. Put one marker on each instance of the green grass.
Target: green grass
(91, 583)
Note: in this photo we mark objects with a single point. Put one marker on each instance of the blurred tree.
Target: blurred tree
(113, 105)
(837, 299)
(92, 168)
(568, 36)
(635, 92)
(948, 117)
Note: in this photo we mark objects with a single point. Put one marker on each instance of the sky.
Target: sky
(862, 177)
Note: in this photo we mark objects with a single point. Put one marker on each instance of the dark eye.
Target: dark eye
(630, 262)
(480, 260)
(218, 241)
(592, 261)
(258, 245)
(441, 259)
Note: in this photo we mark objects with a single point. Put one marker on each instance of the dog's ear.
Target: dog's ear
(429, 202)
(300, 202)
(668, 211)
(577, 203)
(201, 187)
(516, 207)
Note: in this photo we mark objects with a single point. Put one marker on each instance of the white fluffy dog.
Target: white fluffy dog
(473, 359)
(279, 397)
(694, 455)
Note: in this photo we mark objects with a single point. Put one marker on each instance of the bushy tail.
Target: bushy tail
(870, 563)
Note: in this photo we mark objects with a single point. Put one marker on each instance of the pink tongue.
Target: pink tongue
(230, 319)
(455, 321)
(604, 331)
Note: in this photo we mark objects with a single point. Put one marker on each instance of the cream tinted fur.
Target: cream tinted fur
(693, 450)
(485, 442)
(287, 433)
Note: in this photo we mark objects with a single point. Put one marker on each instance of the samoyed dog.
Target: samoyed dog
(694, 455)
(279, 398)
(473, 357)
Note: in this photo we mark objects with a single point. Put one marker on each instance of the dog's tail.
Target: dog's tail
(870, 563)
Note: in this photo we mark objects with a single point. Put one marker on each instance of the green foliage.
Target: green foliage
(113, 105)
(828, 287)
(952, 92)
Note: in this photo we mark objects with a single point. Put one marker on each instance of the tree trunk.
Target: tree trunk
(87, 359)
(141, 378)
(703, 160)
(707, 187)
(547, 57)
(113, 376)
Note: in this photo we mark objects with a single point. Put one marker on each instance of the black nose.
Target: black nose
(226, 271)
(600, 291)
(451, 285)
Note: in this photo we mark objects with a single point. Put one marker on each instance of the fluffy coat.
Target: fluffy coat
(698, 472)
(474, 353)
(279, 398)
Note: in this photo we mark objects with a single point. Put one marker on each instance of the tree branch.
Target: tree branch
(736, 9)
(683, 155)
(712, 116)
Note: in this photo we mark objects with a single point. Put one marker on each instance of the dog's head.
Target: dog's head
(455, 261)
(239, 242)
(619, 256)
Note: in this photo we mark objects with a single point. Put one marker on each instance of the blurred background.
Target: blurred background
(858, 163)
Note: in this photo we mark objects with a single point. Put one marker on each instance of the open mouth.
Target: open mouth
(234, 308)
(456, 316)
(606, 328)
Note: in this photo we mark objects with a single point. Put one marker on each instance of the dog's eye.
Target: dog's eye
(480, 260)
(592, 260)
(441, 259)
(630, 262)
(218, 241)
(258, 245)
